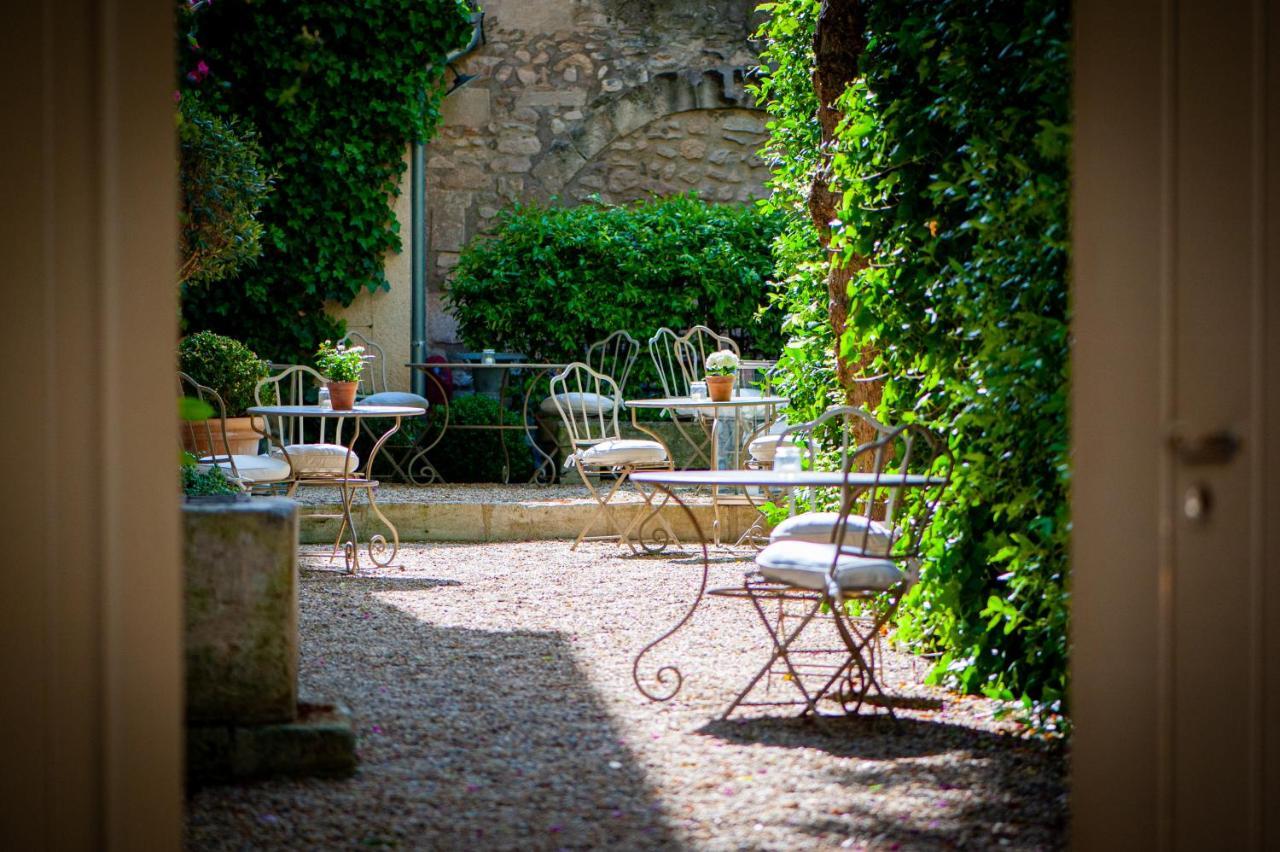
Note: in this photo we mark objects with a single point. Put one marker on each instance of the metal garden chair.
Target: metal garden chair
(866, 551)
(614, 357)
(664, 351)
(252, 471)
(317, 461)
(599, 450)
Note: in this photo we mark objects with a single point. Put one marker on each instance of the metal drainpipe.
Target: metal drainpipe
(418, 238)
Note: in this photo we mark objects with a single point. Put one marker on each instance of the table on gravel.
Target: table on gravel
(669, 480)
(348, 480)
(544, 471)
(712, 409)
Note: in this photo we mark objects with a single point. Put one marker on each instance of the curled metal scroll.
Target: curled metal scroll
(665, 674)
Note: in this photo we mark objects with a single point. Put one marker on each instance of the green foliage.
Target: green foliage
(953, 164)
(223, 187)
(207, 483)
(225, 365)
(336, 90)
(340, 363)
(552, 280)
(472, 455)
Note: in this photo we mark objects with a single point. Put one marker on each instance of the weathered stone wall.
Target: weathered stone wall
(623, 99)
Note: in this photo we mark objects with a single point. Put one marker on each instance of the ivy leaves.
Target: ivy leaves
(335, 90)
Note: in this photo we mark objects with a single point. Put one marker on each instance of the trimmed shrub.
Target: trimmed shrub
(553, 280)
(226, 365)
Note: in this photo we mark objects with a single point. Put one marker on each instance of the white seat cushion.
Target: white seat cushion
(804, 564)
(252, 468)
(321, 459)
(403, 398)
(818, 527)
(623, 451)
(576, 403)
(765, 447)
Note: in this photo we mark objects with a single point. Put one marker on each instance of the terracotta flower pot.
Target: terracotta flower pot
(720, 388)
(342, 395)
(241, 436)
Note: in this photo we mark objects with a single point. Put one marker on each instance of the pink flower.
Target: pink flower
(177, 96)
(202, 68)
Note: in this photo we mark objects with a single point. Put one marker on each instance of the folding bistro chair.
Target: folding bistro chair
(866, 551)
(375, 390)
(599, 449)
(665, 353)
(614, 357)
(213, 450)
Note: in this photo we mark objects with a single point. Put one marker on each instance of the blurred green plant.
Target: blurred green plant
(225, 365)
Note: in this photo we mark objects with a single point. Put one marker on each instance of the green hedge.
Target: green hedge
(953, 160)
(475, 455)
(554, 279)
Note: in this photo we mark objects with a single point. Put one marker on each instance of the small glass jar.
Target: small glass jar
(488, 356)
(697, 390)
(786, 458)
(322, 398)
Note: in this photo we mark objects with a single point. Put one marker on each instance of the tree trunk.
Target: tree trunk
(837, 45)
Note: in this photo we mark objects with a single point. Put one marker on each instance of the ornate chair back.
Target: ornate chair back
(662, 350)
(830, 432)
(896, 499)
(574, 389)
(693, 347)
(289, 386)
(374, 378)
(614, 356)
(199, 433)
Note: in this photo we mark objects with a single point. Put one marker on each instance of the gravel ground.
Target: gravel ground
(492, 691)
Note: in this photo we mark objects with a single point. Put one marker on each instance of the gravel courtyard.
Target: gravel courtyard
(492, 690)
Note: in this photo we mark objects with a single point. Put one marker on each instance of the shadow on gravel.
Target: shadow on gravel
(466, 739)
(925, 784)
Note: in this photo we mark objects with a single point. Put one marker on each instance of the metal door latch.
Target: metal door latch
(1210, 448)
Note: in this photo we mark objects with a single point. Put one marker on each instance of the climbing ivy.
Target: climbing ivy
(953, 163)
(336, 90)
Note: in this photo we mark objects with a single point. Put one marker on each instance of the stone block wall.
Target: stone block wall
(620, 99)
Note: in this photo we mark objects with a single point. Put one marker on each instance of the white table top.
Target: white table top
(690, 402)
(317, 411)
(784, 479)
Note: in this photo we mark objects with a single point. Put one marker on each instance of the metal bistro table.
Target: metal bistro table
(544, 471)
(346, 481)
(669, 676)
(707, 407)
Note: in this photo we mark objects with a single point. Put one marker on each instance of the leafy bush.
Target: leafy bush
(207, 483)
(467, 455)
(336, 90)
(226, 365)
(553, 280)
(953, 160)
(223, 188)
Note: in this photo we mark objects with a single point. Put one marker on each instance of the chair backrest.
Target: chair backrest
(289, 386)
(693, 347)
(199, 432)
(576, 391)
(374, 378)
(614, 356)
(662, 350)
(835, 431)
(904, 510)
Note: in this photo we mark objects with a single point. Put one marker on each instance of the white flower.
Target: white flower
(722, 363)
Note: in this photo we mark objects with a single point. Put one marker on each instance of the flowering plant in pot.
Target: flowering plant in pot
(342, 366)
(233, 370)
(722, 367)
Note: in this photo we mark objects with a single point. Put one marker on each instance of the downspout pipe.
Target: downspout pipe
(418, 226)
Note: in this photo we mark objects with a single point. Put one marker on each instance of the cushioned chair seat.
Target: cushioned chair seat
(804, 564)
(817, 527)
(578, 403)
(624, 451)
(253, 468)
(403, 398)
(318, 459)
(765, 447)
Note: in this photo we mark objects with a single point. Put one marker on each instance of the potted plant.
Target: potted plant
(342, 366)
(233, 370)
(722, 367)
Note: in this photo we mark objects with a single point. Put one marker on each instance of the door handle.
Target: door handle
(1209, 448)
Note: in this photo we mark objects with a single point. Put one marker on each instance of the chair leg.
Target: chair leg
(649, 511)
(603, 510)
(858, 643)
(782, 642)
